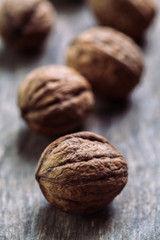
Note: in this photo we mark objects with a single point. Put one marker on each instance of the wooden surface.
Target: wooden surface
(133, 127)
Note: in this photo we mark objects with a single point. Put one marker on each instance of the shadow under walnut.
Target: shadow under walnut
(81, 226)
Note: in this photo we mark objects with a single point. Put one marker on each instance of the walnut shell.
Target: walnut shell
(24, 25)
(129, 16)
(55, 99)
(110, 60)
(80, 173)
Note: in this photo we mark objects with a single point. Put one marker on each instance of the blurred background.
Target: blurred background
(133, 126)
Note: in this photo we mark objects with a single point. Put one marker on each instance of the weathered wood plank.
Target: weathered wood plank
(134, 127)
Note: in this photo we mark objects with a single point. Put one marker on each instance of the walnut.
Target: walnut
(55, 99)
(129, 16)
(80, 173)
(110, 60)
(24, 25)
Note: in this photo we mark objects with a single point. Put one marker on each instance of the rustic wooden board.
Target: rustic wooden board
(134, 127)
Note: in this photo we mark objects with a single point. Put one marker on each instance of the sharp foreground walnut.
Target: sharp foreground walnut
(25, 24)
(129, 16)
(80, 173)
(55, 100)
(110, 60)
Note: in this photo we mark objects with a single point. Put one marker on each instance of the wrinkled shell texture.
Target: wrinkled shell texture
(55, 99)
(26, 24)
(129, 16)
(110, 60)
(80, 173)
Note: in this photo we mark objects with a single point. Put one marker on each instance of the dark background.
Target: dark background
(133, 127)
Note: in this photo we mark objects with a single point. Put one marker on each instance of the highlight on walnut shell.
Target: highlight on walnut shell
(110, 60)
(81, 173)
(55, 100)
(24, 25)
(132, 17)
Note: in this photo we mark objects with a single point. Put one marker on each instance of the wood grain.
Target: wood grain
(133, 127)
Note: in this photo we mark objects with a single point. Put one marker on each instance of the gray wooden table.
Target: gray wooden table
(133, 127)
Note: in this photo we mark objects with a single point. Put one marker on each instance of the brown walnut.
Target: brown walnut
(110, 60)
(24, 25)
(80, 173)
(129, 16)
(55, 99)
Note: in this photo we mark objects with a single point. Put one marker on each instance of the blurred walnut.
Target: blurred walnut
(110, 60)
(129, 16)
(80, 173)
(55, 100)
(25, 24)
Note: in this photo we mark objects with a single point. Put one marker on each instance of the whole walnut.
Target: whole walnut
(129, 16)
(55, 100)
(80, 173)
(110, 60)
(24, 25)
